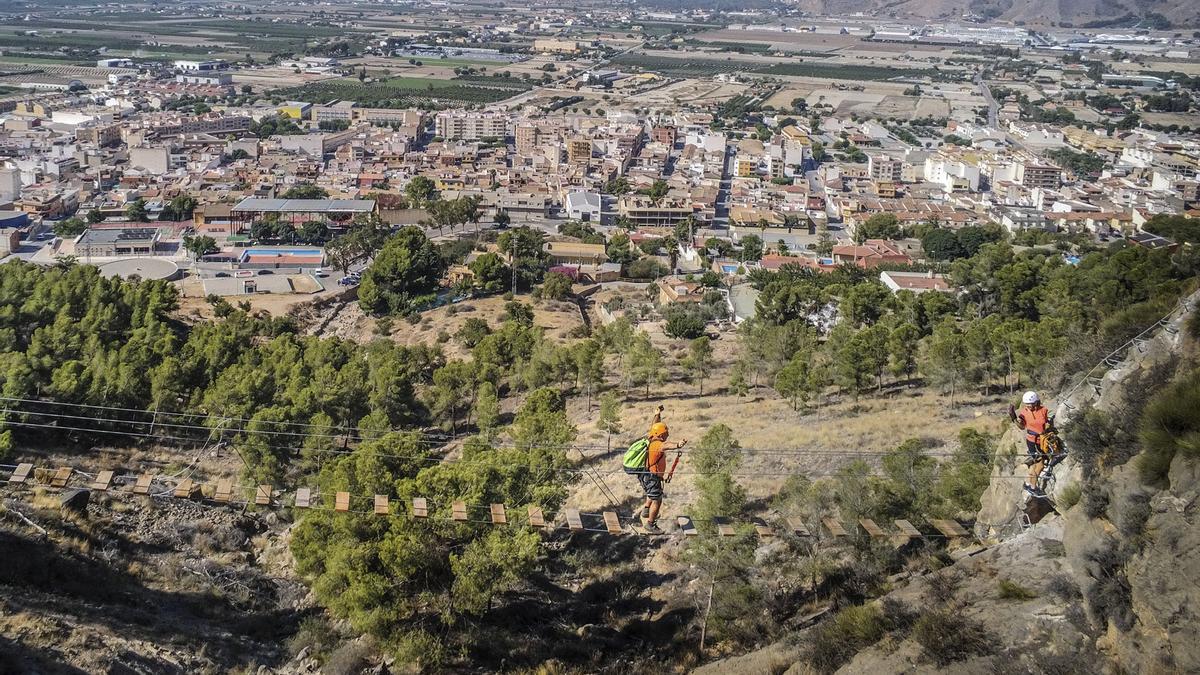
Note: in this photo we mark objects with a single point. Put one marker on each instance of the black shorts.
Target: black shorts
(652, 485)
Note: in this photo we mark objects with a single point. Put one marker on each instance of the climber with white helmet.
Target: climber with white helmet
(1037, 422)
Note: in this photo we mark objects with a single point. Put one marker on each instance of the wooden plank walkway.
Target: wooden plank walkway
(498, 514)
(834, 526)
(21, 474)
(103, 481)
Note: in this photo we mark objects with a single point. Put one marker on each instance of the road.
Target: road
(993, 106)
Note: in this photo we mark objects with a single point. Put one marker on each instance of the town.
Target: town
(598, 337)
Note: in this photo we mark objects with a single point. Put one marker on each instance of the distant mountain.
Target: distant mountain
(1077, 13)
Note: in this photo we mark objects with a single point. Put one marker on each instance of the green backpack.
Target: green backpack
(636, 456)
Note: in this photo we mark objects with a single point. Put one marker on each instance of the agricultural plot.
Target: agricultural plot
(847, 73)
(679, 67)
(708, 67)
(402, 92)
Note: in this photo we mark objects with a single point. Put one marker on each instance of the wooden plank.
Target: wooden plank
(763, 529)
(686, 526)
(724, 528)
(458, 511)
(142, 486)
(303, 498)
(499, 516)
(871, 528)
(834, 526)
(798, 527)
(950, 528)
(341, 501)
(224, 491)
(536, 519)
(420, 507)
(382, 507)
(573, 520)
(103, 481)
(185, 489)
(61, 476)
(262, 496)
(906, 528)
(21, 474)
(612, 522)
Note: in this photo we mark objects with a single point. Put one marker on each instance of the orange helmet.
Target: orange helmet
(658, 430)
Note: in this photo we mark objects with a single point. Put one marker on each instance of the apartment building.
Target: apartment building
(884, 168)
(468, 126)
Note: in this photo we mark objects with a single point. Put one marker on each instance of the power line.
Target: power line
(815, 453)
(576, 472)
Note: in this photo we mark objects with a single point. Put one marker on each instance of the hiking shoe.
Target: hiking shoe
(653, 528)
(1032, 490)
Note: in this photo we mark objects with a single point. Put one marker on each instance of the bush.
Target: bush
(836, 641)
(556, 286)
(315, 634)
(942, 587)
(684, 325)
(472, 331)
(1110, 597)
(1170, 425)
(1134, 515)
(1011, 590)
(1063, 587)
(1095, 500)
(1070, 495)
(947, 637)
(646, 268)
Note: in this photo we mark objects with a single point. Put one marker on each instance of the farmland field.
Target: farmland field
(400, 92)
(707, 67)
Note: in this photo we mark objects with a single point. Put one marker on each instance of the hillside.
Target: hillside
(1078, 13)
(1103, 585)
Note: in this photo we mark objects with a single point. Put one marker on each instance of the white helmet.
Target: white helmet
(1030, 398)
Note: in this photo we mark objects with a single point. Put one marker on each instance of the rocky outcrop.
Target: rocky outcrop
(1106, 390)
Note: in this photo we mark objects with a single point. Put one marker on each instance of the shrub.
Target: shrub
(942, 587)
(556, 286)
(1011, 590)
(1062, 586)
(1170, 425)
(472, 331)
(947, 636)
(1110, 597)
(316, 634)
(1095, 500)
(836, 641)
(1070, 495)
(1134, 516)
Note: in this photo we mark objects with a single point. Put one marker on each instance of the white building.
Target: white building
(952, 174)
(584, 206)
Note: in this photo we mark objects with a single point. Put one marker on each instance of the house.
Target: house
(575, 253)
(585, 206)
(917, 282)
(673, 289)
(870, 254)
